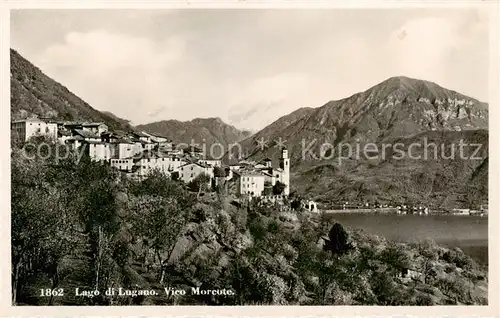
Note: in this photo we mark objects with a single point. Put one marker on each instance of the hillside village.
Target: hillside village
(137, 154)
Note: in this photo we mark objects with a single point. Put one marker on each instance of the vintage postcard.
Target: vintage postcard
(250, 156)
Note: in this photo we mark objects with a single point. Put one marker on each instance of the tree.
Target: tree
(278, 188)
(42, 218)
(337, 242)
(268, 188)
(428, 251)
(396, 257)
(161, 221)
(200, 183)
(296, 204)
(157, 184)
(175, 176)
(219, 172)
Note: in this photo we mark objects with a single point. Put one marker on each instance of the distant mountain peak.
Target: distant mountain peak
(217, 120)
(397, 107)
(404, 86)
(208, 131)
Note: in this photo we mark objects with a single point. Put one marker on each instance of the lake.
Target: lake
(469, 233)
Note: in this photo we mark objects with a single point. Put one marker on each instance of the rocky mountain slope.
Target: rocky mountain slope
(399, 107)
(204, 131)
(423, 179)
(33, 92)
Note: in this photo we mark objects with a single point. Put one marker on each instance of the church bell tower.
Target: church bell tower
(285, 165)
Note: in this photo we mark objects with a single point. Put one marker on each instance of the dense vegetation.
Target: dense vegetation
(79, 224)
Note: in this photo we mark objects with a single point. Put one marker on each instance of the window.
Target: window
(192, 175)
(47, 129)
(192, 167)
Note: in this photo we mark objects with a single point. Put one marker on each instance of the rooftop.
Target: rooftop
(86, 134)
(27, 120)
(94, 142)
(121, 141)
(253, 173)
(63, 133)
(196, 163)
(77, 137)
(140, 134)
(93, 124)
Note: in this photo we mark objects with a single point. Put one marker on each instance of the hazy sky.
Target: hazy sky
(248, 67)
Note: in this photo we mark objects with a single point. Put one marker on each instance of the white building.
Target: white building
(124, 164)
(27, 128)
(96, 128)
(311, 206)
(211, 162)
(251, 177)
(157, 138)
(63, 136)
(121, 149)
(148, 146)
(235, 167)
(99, 150)
(142, 136)
(151, 161)
(251, 183)
(87, 135)
(191, 170)
(75, 142)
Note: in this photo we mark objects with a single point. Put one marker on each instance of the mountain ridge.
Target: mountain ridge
(399, 108)
(35, 93)
(205, 131)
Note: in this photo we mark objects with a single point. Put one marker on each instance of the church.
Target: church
(252, 177)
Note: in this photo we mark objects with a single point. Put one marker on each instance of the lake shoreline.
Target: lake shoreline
(469, 233)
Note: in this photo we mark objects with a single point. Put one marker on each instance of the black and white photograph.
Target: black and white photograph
(249, 157)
